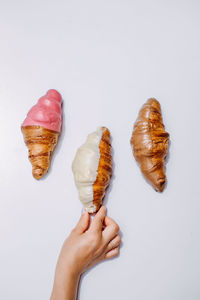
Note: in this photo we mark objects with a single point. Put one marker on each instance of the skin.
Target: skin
(87, 245)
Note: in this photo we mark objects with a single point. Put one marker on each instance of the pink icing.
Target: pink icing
(47, 112)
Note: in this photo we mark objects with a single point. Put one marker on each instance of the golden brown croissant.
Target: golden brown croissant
(92, 168)
(150, 143)
(41, 143)
(41, 130)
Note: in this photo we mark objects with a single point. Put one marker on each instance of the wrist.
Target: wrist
(66, 274)
(65, 283)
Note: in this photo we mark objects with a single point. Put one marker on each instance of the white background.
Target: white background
(105, 58)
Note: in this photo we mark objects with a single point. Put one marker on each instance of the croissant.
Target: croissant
(92, 169)
(41, 130)
(150, 143)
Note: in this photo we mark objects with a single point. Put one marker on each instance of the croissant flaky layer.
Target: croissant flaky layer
(104, 171)
(150, 143)
(41, 143)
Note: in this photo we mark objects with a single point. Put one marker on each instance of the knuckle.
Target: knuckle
(118, 239)
(117, 251)
(115, 227)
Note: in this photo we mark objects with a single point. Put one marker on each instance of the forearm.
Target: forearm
(65, 287)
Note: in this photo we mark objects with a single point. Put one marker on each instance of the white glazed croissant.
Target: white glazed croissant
(92, 168)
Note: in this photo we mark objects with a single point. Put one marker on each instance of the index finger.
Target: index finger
(111, 229)
(97, 223)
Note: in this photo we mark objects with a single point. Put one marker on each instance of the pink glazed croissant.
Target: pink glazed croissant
(41, 130)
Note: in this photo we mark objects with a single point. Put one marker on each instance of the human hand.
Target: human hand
(87, 246)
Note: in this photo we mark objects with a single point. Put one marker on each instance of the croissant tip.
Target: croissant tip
(104, 128)
(38, 173)
(153, 102)
(160, 185)
(91, 209)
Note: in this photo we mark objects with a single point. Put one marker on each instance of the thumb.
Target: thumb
(83, 223)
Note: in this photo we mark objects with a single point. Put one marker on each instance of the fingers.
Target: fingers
(108, 253)
(111, 230)
(83, 223)
(112, 253)
(98, 220)
(114, 243)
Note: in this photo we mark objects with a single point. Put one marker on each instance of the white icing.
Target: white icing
(85, 166)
